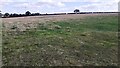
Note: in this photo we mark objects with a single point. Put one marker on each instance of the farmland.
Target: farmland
(61, 40)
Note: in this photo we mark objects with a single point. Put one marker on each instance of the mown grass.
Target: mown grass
(89, 41)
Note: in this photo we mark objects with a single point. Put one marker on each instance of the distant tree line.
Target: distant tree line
(28, 13)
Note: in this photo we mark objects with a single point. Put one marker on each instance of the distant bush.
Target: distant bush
(6, 15)
(28, 13)
(76, 11)
(35, 14)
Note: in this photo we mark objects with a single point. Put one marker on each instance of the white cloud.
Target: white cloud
(55, 4)
(38, 4)
(95, 5)
(59, 1)
(77, 0)
(4, 2)
(99, 6)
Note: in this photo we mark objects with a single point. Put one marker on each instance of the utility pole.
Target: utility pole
(0, 14)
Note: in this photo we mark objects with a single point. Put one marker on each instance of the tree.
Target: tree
(37, 13)
(15, 15)
(11, 15)
(6, 15)
(76, 11)
(27, 13)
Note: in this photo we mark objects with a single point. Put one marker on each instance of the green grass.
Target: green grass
(89, 41)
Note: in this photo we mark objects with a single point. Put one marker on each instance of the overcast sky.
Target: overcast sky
(57, 6)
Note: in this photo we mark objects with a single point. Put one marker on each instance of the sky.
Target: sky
(58, 6)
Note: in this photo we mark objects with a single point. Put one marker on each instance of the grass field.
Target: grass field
(92, 40)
